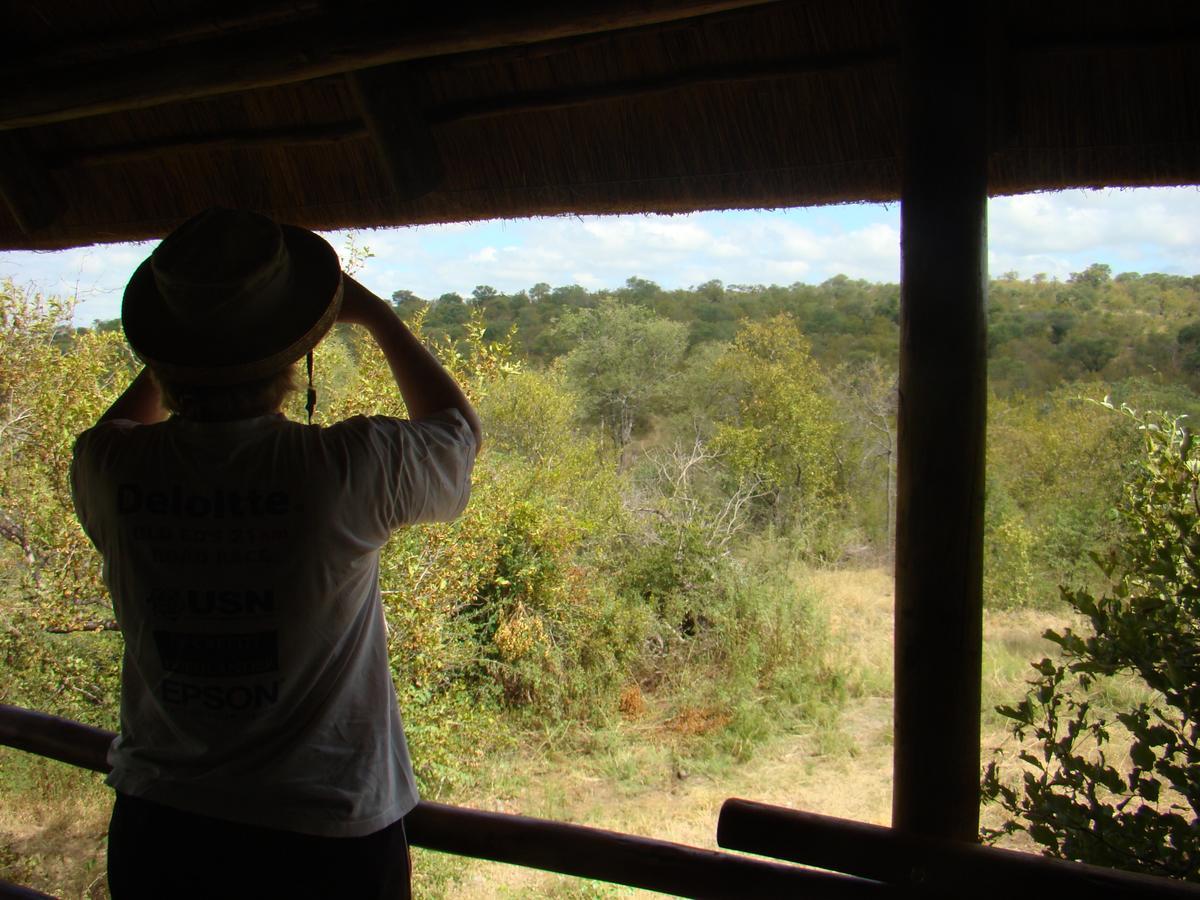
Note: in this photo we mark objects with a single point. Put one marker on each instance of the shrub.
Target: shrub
(56, 642)
(1110, 781)
(1055, 471)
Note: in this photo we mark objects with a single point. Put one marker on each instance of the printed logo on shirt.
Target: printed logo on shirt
(187, 502)
(210, 603)
(218, 655)
(220, 698)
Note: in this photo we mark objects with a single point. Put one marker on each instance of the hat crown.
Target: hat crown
(220, 261)
(230, 296)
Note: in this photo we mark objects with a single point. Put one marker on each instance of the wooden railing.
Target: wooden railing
(876, 861)
(926, 866)
(536, 843)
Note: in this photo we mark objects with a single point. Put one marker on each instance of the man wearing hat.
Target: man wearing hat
(260, 751)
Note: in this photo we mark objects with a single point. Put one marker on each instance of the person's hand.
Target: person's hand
(358, 304)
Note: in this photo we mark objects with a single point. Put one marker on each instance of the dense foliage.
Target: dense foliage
(56, 638)
(1113, 769)
(1042, 332)
(657, 461)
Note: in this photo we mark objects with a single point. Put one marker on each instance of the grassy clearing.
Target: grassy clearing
(633, 782)
(54, 826)
(661, 769)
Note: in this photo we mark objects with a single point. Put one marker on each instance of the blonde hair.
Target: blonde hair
(236, 401)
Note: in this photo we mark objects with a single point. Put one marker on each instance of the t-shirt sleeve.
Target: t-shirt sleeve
(403, 472)
(91, 457)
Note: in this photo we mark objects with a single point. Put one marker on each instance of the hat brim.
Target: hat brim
(224, 356)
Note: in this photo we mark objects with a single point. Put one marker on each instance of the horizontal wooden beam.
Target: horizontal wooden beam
(373, 87)
(71, 742)
(936, 866)
(543, 101)
(261, 139)
(10, 891)
(620, 858)
(219, 21)
(324, 45)
(519, 840)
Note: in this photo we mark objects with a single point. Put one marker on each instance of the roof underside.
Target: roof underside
(120, 118)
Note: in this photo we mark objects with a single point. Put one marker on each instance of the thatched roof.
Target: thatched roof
(118, 118)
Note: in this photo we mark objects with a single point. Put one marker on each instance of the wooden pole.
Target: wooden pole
(323, 45)
(11, 891)
(927, 867)
(621, 858)
(939, 539)
(520, 840)
(402, 137)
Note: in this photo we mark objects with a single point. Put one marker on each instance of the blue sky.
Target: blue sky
(1142, 230)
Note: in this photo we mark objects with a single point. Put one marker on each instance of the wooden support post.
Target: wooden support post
(939, 540)
(398, 128)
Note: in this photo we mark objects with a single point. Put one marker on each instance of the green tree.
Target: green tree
(1096, 275)
(56, 624)
(1113, 783)
(1041, 518)
(53, 384)
(623, 364)
(1093, 352)
(776, 421)
(1188, 339)
(866, 394)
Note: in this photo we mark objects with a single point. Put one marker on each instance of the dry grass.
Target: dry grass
(846, 772)
(53, 827)
(859, 607)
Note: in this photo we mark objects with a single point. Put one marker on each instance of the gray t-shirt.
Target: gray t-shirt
(243, 562)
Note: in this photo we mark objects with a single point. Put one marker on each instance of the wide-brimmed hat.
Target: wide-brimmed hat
(230, 297)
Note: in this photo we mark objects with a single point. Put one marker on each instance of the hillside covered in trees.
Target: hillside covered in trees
(1042, 332)
(659, 463)
(707, 424)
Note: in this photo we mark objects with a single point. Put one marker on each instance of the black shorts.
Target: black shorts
(158, 852)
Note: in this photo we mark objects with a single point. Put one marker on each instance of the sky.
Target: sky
(1136, 230)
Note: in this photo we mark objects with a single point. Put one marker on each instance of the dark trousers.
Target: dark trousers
(158, 852)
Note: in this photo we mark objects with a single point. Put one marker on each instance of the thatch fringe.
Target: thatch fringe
(771, 105)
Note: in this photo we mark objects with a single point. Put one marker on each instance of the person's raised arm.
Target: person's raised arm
(140, 402)
(426, 387)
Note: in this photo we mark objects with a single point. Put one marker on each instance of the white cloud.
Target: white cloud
(1140, 230)
(782, 271)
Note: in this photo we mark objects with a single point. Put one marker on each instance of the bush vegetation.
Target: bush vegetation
(1112, 771)
(658, 464)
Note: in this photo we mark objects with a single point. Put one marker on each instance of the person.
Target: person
(260, 750)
